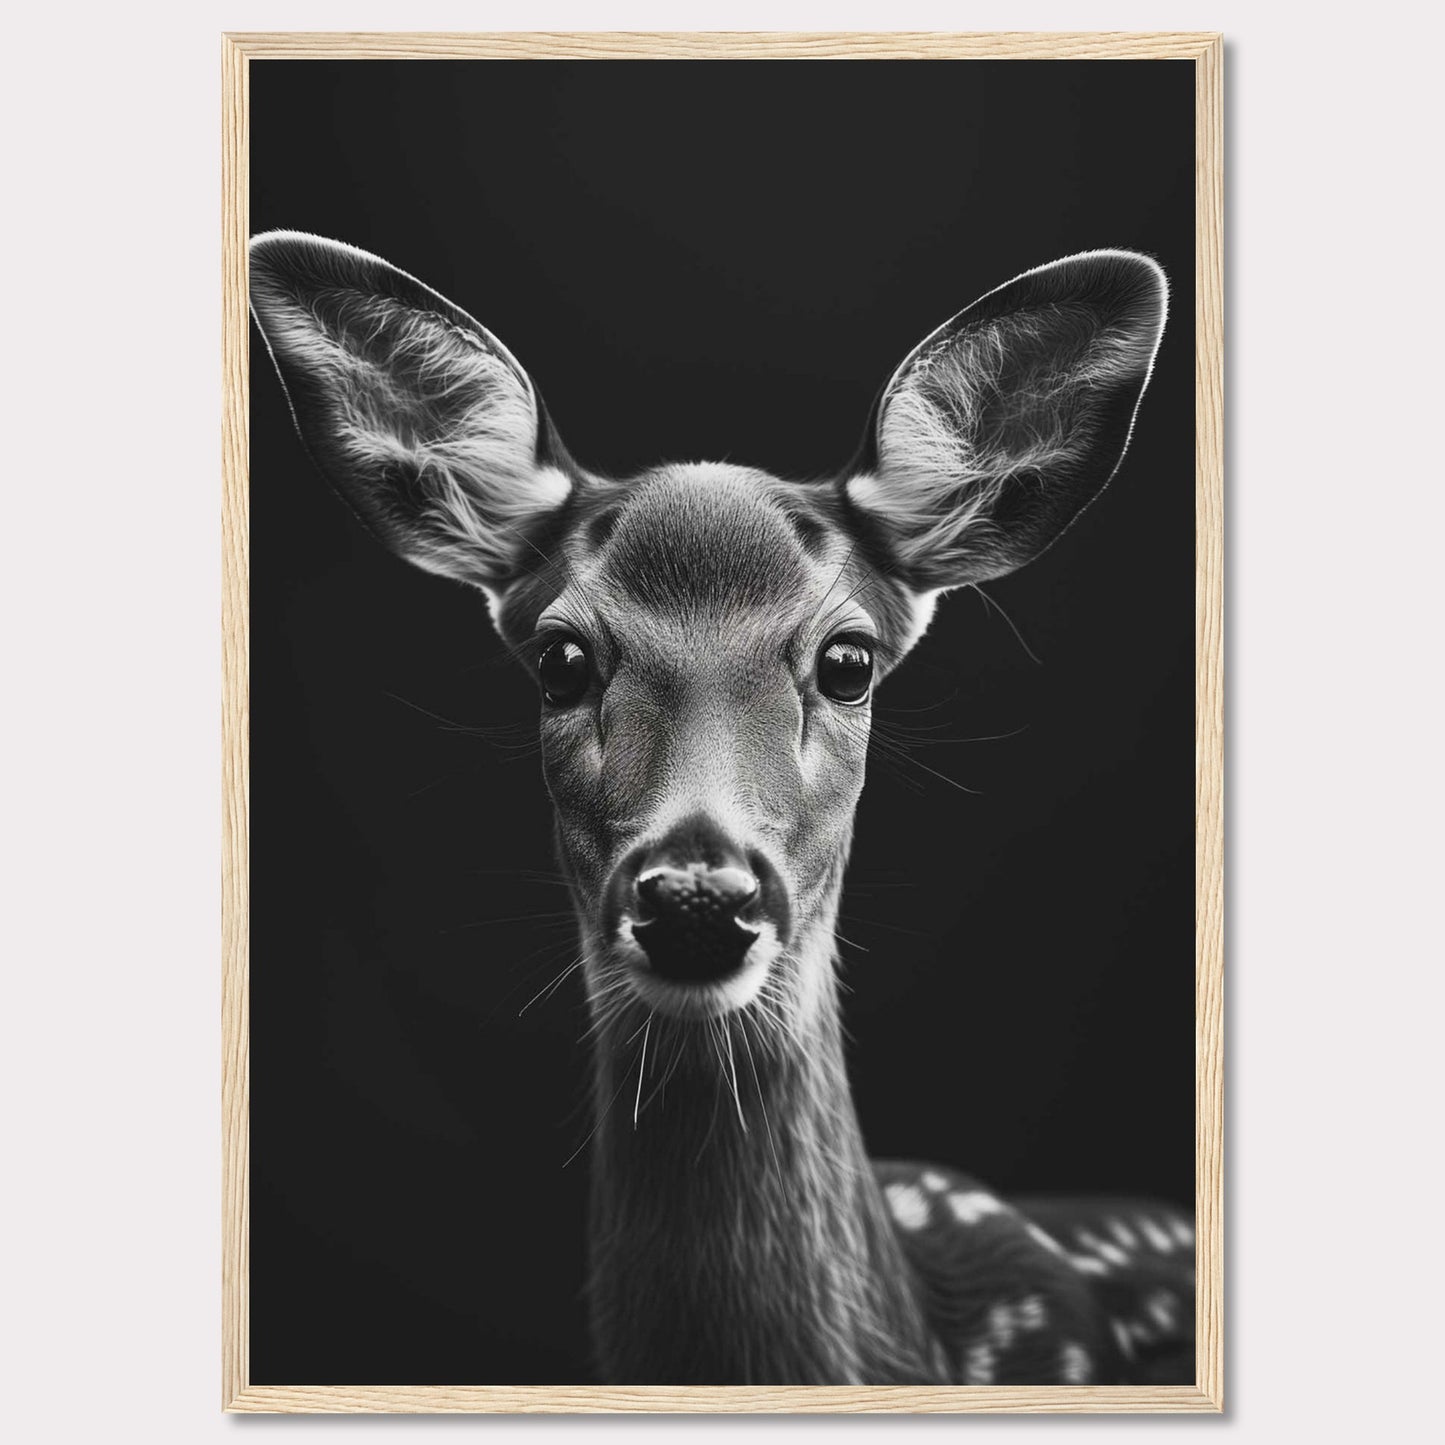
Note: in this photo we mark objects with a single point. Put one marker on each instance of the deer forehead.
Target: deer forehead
(708, 539)
(721, 557)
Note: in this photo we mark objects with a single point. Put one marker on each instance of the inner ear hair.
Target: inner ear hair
(1002, 425)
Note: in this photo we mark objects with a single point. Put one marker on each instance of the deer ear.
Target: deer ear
(419, 417)
(1006, 422)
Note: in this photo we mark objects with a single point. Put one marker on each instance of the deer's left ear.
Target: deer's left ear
(417, 415)
(1006, 422)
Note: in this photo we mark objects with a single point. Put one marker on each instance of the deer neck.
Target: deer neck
(742, 1237)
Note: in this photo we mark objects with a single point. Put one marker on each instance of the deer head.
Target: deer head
(706, 638)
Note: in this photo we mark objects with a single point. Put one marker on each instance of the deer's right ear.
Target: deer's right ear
(419, 417)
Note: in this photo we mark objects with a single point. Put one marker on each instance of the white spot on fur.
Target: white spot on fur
(1155, 1235)
(1030, 1313)
(1001, 1326)
(1075, 1365)
(973, 1205)
(909, 1205)
(1123, 1234)
(978, 1364)
(1161, 1307)
(934, 1181)
(1040, 1236)
(1183, 1232)
(1111, 1253)
(1124, 1337)
(1087, 1264)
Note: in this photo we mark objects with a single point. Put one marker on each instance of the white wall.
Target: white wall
(109, 544)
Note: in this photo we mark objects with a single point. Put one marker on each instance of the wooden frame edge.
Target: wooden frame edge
(235, 729)
(1209, 717)
(727, 44)
(722, 1399)
(238, 1395)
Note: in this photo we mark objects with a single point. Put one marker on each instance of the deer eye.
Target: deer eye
(564, 672)
(845, 671)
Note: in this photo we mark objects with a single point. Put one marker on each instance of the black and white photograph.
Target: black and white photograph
(722, 722)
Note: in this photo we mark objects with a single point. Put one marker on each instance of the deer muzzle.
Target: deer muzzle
(697, 902)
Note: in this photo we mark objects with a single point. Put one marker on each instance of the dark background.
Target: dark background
(718, 260)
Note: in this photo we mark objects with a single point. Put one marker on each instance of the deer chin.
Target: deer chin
(695, 1001)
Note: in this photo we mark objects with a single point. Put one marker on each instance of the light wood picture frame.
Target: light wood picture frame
(1205, 52)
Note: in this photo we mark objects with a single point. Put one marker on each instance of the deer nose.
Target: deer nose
(697, 892)
(689, 920)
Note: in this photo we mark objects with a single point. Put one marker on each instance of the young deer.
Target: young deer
(707, 639)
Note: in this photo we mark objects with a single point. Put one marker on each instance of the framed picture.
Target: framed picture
(723, 722)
